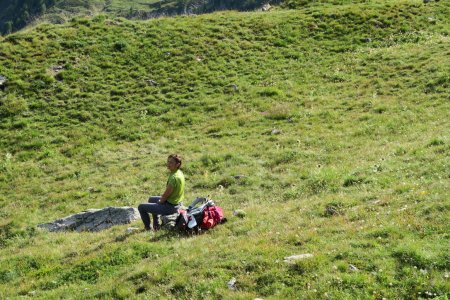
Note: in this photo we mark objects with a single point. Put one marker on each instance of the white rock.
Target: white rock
(266, 7)
(352, 268)
(297, 257)
(131, 229)
(232, 284)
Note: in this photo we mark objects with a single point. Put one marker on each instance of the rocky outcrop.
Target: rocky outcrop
(93, 219)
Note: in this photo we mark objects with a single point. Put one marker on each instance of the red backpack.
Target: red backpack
(212, 215)
(196, 218)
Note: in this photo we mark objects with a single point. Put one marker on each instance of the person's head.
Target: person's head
(174, 162)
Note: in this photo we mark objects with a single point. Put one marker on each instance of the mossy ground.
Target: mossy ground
(336, 115)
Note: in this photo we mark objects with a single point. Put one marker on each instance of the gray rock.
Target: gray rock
(93, 219)
(151, 82)
(266, 7)
(352, 268)
(232, 284)
(231, 89)
(57, 69)
(168, 221)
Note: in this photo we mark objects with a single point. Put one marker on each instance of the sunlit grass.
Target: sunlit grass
(325, 142)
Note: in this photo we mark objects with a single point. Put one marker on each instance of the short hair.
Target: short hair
(177, 158)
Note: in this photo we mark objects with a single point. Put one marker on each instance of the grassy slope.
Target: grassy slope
(363, 130)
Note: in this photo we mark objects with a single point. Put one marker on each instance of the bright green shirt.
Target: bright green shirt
(176, 180)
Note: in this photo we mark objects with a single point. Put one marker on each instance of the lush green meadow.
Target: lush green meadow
(336, 115)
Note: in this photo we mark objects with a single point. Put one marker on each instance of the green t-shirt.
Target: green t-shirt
(176, 180)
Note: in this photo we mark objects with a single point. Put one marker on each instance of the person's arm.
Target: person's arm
(167, 193)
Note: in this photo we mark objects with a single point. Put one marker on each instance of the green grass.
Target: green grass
(336, 115)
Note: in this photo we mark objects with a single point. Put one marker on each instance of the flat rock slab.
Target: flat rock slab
(93, 219)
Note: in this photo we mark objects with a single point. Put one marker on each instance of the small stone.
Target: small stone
(232, 284)
(151, 82)
(275, 132)
(352, 268)
(131, 229)
(266, 7)
(293, 258)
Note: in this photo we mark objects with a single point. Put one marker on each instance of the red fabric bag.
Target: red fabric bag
(212, 216)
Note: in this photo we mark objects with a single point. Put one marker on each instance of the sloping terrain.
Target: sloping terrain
(15, 15)
(336, 116)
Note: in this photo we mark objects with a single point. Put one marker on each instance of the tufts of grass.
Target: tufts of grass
(324, 124)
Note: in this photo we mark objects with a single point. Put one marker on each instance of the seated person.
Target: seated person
(170, 201)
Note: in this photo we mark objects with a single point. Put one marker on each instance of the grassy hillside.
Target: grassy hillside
(337, 116)
(15, 15)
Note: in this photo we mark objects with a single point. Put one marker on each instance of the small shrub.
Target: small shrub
(225, 182)
(353, 180)
(120, 46)
(323, 181)
(12, 105)
(304, 266)
(270, 92)
(436, 142)
(285, 158)
(81, 116)
(7, 276)
(380, 110)
(279, 112)
(410, 257)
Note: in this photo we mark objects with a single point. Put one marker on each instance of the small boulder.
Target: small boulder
(93, 219)
(266, 7)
